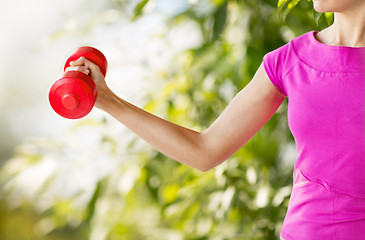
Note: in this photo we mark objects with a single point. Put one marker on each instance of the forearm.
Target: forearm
(182, 144)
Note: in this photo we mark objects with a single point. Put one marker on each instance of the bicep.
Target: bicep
(249, 110)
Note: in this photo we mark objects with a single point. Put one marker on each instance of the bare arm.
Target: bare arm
(251, 108)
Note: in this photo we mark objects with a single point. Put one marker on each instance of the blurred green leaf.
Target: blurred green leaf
(220, 18)
(139, 9)
(91, 206)
(284, 7)
(323, 20)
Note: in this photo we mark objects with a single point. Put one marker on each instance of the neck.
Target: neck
(348, 28)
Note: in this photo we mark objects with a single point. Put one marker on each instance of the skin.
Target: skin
(250, 109)
(348, 28)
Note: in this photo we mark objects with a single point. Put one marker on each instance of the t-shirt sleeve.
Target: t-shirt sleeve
(274, 63)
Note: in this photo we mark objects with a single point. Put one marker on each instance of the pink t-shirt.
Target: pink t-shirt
(325, 86)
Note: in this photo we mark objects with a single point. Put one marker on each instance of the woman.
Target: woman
(323, 76)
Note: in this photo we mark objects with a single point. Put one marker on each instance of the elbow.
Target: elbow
(206, 157)
(204, 168)
(207, 167)
(206, 164)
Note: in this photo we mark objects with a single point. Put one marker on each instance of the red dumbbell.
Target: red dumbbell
(73, 96)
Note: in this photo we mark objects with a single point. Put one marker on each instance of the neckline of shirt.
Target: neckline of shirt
(328, 58)
(320, 44)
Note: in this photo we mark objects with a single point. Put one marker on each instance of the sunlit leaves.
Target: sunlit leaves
(285, 6)
(169, 193)
(322, 19)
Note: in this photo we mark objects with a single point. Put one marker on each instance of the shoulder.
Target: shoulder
(288, 55)
(279, 62)
(294, 46)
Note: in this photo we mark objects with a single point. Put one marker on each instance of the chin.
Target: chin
(320, 6)
(335, 5)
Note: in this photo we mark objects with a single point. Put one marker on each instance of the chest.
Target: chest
(325, 104)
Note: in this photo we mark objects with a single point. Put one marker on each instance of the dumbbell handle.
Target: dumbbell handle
(92, 54)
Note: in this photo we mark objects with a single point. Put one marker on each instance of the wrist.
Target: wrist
(105, 99)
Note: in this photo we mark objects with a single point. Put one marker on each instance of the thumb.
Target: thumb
(78, 62)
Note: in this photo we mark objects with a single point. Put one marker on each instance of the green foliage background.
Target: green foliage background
(246, 197)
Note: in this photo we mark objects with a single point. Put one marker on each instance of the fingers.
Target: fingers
(85, 62)
(83, 65)
(83, 69)
(78, 62)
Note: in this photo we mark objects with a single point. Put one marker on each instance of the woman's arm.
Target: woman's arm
(251, 108)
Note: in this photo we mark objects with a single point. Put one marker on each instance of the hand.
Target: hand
(86, 66)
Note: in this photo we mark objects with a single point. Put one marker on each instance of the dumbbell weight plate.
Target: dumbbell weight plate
(73, 96)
